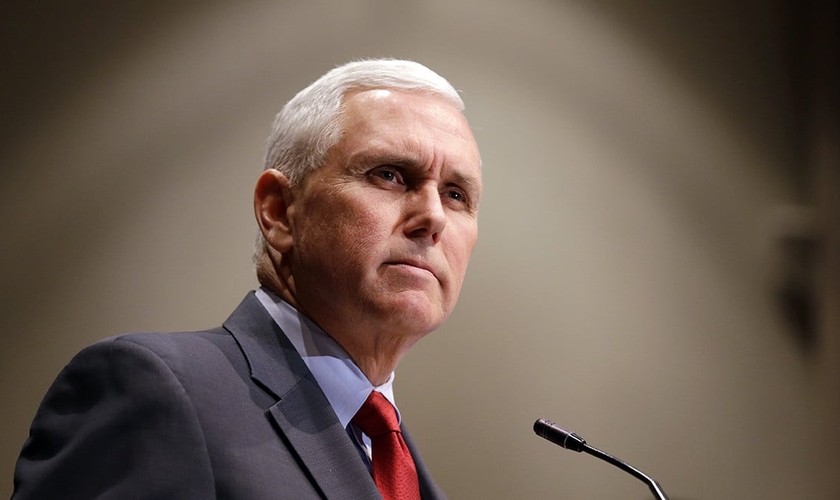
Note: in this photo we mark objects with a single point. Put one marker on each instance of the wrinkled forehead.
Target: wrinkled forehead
(374, 106)
(421, 123)
(391, 101)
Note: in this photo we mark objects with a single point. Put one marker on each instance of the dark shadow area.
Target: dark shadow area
(51, 49)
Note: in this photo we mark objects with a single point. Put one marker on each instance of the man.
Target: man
(368, 215)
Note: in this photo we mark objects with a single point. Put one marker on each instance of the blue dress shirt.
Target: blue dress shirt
(342, 381)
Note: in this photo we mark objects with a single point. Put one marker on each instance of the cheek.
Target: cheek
(459, 254)
(360, 230)
(344, 234)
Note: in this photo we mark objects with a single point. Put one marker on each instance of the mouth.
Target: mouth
(415, 264)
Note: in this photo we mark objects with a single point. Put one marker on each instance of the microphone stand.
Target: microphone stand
(571, 441)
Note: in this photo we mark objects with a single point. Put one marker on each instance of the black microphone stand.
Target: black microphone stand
(571, 441)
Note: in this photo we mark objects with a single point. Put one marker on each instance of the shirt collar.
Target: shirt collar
(343, 383)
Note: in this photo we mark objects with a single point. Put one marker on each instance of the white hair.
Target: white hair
(311, 122)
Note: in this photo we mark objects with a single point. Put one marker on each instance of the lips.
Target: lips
(416, 263)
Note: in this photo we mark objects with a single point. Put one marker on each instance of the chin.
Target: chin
(417, 316)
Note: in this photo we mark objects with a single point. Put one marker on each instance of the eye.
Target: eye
(456, 195)
(387, 174)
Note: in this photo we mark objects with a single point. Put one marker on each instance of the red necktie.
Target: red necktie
(393, 468)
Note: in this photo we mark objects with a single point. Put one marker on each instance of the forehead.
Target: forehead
(416, 127)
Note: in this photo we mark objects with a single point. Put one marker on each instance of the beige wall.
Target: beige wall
(636, 158)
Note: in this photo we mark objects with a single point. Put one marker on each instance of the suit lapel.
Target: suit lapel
(302, 413)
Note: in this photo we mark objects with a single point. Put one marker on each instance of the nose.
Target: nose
(425, 215)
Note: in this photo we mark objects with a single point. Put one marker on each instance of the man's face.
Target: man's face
(383, 231)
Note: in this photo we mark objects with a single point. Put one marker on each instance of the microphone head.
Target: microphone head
(547, 429)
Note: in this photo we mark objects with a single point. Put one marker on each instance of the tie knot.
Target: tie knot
(377, 416)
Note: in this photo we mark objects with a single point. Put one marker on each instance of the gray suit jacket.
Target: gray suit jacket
(228, 413)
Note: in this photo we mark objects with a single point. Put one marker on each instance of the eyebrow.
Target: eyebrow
(363, 161)
(468, 182)
(360, 162)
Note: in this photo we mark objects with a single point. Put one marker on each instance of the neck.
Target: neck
(376, 364)
(376, 355)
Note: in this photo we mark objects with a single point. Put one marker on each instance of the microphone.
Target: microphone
(549, 430)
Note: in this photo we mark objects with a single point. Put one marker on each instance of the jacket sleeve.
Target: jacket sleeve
(116, 424)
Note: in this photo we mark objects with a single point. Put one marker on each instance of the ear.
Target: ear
(272, 198)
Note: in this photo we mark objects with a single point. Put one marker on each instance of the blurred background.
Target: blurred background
(658, 265)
